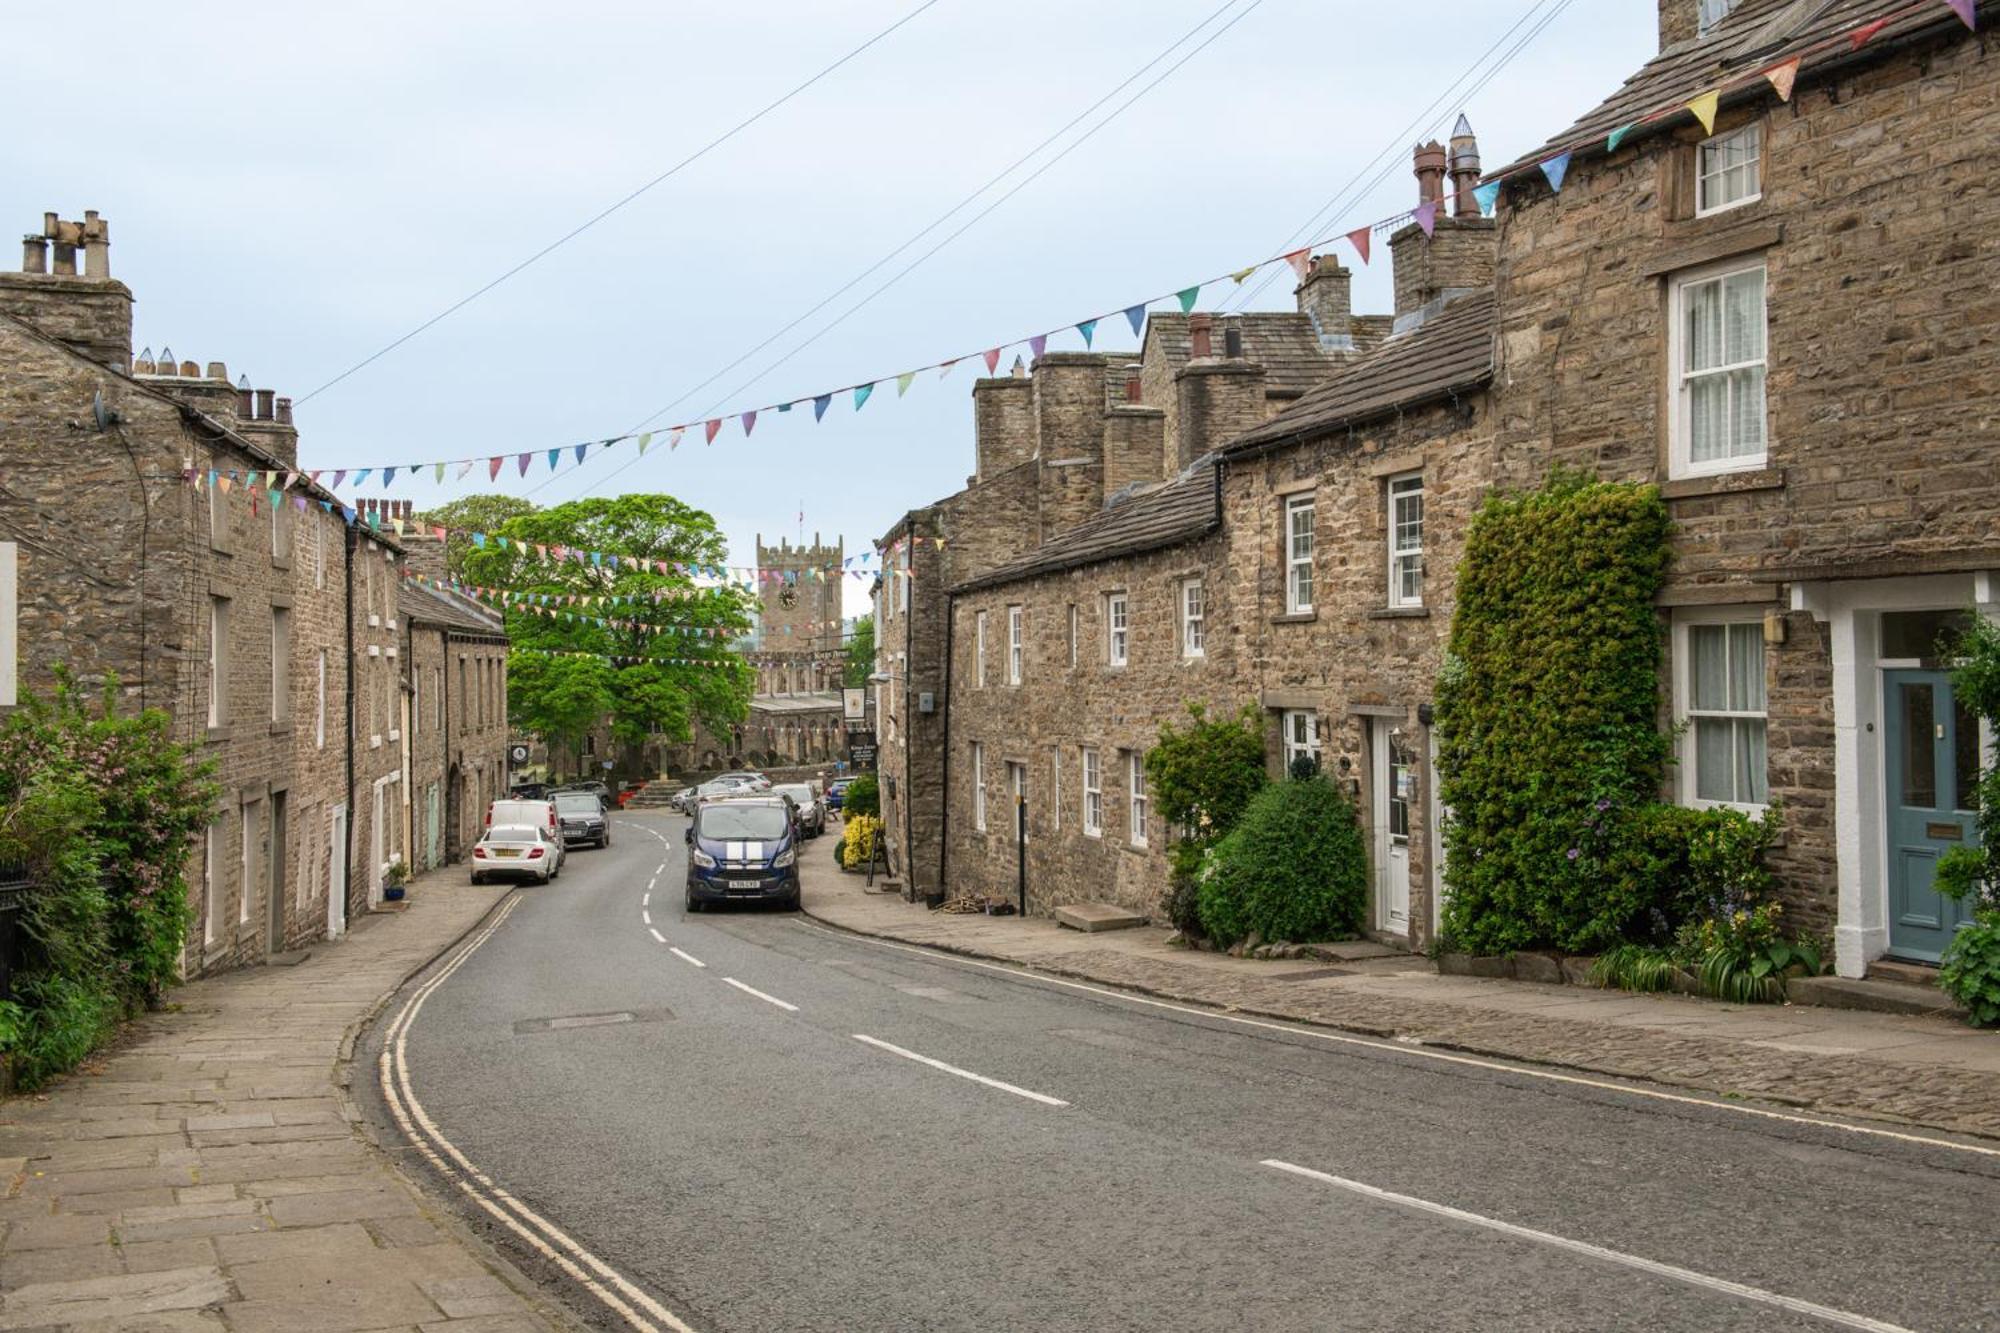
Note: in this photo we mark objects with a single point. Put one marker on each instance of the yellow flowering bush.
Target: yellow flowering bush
(857, 843)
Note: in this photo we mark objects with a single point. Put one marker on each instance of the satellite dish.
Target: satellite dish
(105, 415)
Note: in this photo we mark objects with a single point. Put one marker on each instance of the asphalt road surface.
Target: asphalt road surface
(746, 1123)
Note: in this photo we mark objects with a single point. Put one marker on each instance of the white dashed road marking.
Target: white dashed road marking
(684, 956)
(658, 937)
(962, 1073)
(768, 999)
(1844, 1318)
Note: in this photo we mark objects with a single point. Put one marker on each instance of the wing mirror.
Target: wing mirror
(687, 835)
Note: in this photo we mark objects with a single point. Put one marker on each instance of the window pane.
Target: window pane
(1965, 755)
(1919, 749)
(1744, 304)
(1746, 668)
(1708, 420)
(1921, 634)
(1709, 650)
(1704, 324)
(1746, 412)
(1751, 765)
(1712, 738)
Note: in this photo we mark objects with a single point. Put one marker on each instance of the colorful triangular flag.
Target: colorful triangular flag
(1187, 296)
(710, 428)
(1427, 216)
(493, 468)
(861, 393)
(903, 382)
(992, 360)
(1301, 262)
(1618, 136)
(1088, 329)
(1865, 34)
(581, 450)
(1703, 108)
(1240, 274)
(945, 369)
(673, 440)
(1136, 316)
(388, 475)
(749, 422)
(1555, 169)
(645, 443)
(523, 460)
(1358, 238)
(1487, 196)
(820, 404)
(1037, 345)
(1963, 8)
(554, 454)
(439, 478)
(1783, 76)
(465, 468)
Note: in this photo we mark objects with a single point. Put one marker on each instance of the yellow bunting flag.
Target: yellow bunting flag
(1703, 108)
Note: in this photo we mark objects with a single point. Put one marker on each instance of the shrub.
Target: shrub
(857, 841)
(1202, 779)
(1294, 868)
(1969, 968)
(1547, 716)
(864, 797)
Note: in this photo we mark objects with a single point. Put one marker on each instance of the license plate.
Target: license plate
(744, 884)
(505, 851)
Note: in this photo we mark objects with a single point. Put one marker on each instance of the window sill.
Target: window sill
(1724, 483)
(395, 735)
(1400, 613)
(281, 728)
(281, 562)
(1294, 617)
(1135, 848)
(219, 733)
(374, 742)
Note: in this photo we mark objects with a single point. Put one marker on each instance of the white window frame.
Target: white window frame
(1688, 776)
(319, 554)
(903, 586)
(1404, 491)
(978, 787)
(1712, 12)
(218, 661)
(1117, 629)
(218, 840)
(1704, 174)
(1017, 797)
(1093, 793)
(1299, 555)
(979, 650)
(252, 818)
(1055, 788)
(1194, 618)
(1073, 635)
(1289, 747)
(319, 714)
(281, 664)
(1138, 800)
(1680, 461)
(1016, 647)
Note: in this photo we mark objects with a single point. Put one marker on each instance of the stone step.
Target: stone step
(1875, 994)
(1093, 917)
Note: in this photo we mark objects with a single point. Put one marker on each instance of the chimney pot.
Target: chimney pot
(285, 411)
(264, 406)
(218, 371)
(189, 370)
(166, 365)
(34, 254)
(1464, 168)
(1134, 387)
(1199, 333)
(1232, 338)
(65, 259)
(1430, 169)
(246, 406)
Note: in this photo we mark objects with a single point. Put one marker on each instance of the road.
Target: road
(746, 1123)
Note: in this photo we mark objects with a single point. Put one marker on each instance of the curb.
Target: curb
(1399, 1035)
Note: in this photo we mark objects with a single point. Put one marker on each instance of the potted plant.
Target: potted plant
(394, 879)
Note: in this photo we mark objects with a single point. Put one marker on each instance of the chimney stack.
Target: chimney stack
(1134, 386)
(264, 405)
(83, 308)
(1326, 298)
(34, 254)
(1464, 168)
(1200, 336)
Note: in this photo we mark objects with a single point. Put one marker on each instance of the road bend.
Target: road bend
(747, 1123)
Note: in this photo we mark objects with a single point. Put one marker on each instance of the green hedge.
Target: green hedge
(1548, 718)
(1294, 869)
(1203, 777)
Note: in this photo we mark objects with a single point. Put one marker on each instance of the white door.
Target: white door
(1391, 807)
(1434, 817)
(336, 874)
(378, 852)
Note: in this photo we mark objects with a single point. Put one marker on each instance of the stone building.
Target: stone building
(164, 535)
(1789, 323)
(454, 698)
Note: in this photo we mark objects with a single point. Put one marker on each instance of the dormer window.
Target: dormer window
(1713, 12)
(1729, 171)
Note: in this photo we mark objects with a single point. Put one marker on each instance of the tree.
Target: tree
(652, 650)
(473, 513)
(860, 654)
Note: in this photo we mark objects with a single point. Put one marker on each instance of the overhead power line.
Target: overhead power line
(592, 221)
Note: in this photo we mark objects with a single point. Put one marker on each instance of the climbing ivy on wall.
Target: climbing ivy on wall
(1548, 714)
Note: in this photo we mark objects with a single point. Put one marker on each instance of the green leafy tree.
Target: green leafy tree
(860, 654)
(655, 664)
(470, 514)
(1202, 778)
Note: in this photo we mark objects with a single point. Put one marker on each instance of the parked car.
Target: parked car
(539, 814)
(517, 850)
(597, 789)
(529, 791)
(836, 795)
(754, 781)
(584, 818)
(811, 814)
(720, 788)
(683, 800)
(743, 849)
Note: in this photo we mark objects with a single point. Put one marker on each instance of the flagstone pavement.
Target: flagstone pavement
(208, 1173)
(1929, 1071)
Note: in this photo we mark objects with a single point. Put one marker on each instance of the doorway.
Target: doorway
(336, 875)
(1392, 783)
(1931, 745)
(280, 859)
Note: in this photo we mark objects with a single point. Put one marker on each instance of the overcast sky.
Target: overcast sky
(291, 187)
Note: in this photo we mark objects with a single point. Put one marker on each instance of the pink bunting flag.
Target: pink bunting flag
(1865, 34)
(1963, 8)
(1037, 345)
(1301, 262)
(749, 422)
(1427, 216)
(713, 425)
(992, 360)
(524, 460)
(1358, 238)
(1783, 76)
(493, 468)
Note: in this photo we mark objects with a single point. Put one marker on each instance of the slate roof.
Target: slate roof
(1165, 516)
(1283, 342)
(1449, 352)
(435, 606)
(1756, 35)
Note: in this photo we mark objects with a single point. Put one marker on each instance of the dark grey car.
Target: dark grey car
(583, 819)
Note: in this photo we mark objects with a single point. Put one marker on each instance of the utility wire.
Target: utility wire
(904, 272)
(1359, 188)
(585, 226)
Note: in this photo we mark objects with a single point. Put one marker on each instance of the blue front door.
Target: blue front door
(1932, 744)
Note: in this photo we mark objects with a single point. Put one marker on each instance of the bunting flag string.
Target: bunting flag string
(1552, 167)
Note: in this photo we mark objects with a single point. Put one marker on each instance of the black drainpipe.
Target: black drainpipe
(944, 793)
(353, 803)
(444, 734)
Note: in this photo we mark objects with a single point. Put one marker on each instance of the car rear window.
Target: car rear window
(513, 833)
(762, 823)
(797, 791)
(578, 800)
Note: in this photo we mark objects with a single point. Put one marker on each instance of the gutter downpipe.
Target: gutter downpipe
(353, 802)
(944, 784)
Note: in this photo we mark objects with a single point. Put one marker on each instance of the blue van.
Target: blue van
(743, 850)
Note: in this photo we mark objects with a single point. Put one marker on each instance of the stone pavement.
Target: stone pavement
(1929, 1071)
(208, 1172)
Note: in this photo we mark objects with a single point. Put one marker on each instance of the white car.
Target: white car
(520, 851)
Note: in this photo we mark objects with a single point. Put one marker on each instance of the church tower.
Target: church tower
(799, 626)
